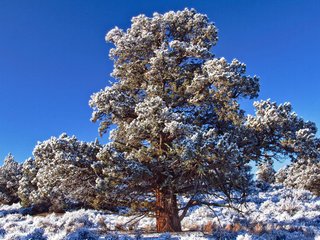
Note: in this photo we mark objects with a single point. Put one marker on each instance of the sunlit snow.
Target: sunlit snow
(277, 213)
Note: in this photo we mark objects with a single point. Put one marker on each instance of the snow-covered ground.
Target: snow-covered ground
(277, 213)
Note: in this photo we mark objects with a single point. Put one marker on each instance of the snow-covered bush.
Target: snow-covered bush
(303, 174)
(62, 175)
(10, 174)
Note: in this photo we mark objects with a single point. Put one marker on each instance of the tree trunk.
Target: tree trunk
(167, 214)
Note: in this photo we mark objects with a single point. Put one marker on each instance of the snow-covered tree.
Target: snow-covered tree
(62, 175)
(301, 174)
(10, 174)
(265, 172)
(177, 125)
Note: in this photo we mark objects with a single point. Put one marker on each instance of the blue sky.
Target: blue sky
(53, 57)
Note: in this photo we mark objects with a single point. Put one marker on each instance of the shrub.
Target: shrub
(61, 176)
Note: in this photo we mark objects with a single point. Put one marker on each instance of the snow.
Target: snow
(277, 213)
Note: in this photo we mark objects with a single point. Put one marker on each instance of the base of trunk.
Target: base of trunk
(167, 214)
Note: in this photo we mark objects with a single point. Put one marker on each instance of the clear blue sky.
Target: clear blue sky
(53, 57)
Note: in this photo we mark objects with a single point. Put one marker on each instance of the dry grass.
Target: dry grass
(103, 228)
(149, 228)
(237, 227)
(257, 228)
(49, 226)
(73, 227)
(119, 227)
(209, 227)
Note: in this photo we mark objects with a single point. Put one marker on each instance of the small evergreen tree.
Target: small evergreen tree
(266, 173)
(10, 174)
(178, 126)
(62, 175)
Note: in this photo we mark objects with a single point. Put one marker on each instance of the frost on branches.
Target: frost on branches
(62, 175)
(178, 126)
(281, 133)
(10, 174)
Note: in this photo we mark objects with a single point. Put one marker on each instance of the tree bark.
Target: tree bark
(167, 214)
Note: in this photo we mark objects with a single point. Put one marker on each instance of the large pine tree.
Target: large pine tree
(178, 128)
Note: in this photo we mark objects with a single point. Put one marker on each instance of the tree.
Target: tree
(10, 174)
(62, 175)
(178, 128)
